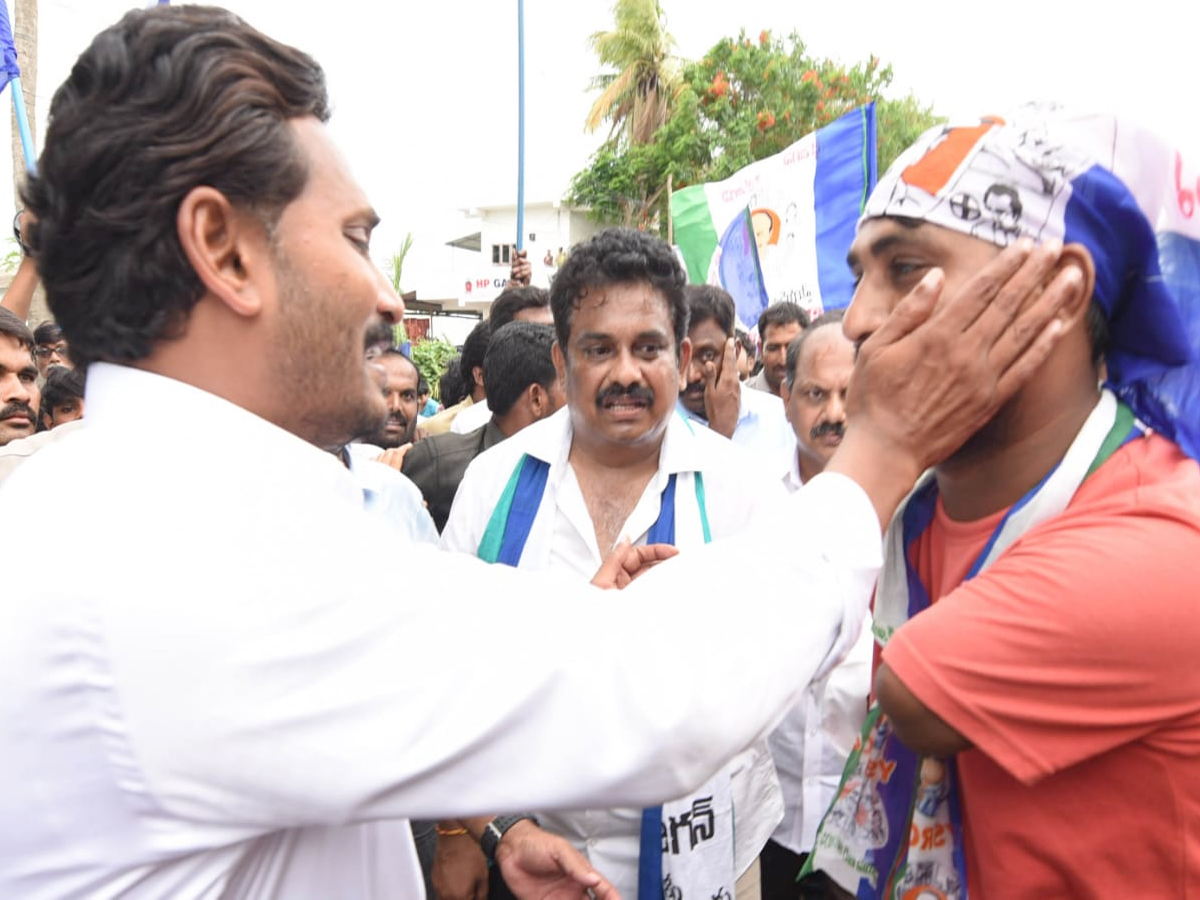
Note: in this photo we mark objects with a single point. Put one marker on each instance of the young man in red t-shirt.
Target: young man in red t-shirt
(1036, 610)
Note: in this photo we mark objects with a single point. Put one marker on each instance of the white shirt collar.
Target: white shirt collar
(154, 407)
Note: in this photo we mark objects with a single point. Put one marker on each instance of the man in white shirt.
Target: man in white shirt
(620, 461)
(713, 395)
(778, 325)
(216, 698)
(820, 362)
(811, 744)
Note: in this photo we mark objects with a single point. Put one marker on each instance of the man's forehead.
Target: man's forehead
(14, 355)
(607, 309)
(775, 332)
(826, 344)
(398, 368)
(329, 173)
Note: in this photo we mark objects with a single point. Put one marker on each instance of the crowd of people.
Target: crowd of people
(887, 604)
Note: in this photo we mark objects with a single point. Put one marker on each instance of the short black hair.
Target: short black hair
(47, 332)
(707, 301)
(167, 100)
(62, 384)
(451, 387)
(782, 313)
(11, 325)
(829, 317)
(473, 350)
(518, 356)
(618, 256)
(515, 300)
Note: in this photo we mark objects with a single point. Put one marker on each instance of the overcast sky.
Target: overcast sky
(425, 94)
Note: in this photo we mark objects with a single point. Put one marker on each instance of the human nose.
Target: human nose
(627, 371)
(835, 410)
(388, 303)
(864, 316)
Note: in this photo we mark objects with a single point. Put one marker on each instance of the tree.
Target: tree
(635, 99)
(745, 100)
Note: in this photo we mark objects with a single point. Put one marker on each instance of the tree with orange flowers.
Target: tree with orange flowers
(745, 100)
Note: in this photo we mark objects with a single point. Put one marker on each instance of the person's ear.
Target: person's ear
(226, 247)
(537, 399)
(1075, 305)
(560, 363)
(685, 359)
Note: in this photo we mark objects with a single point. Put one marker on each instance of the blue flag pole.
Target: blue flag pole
(520, 124)
(10, 73)
(23, 127)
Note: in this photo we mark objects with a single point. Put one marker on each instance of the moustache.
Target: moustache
(824, 428)
(399, 418)
(620, 392)
(18, 409)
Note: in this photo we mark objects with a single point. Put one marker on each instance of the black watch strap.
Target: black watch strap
(490, 839)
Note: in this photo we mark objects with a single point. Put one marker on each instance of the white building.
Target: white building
(477, 264)
(550, 229)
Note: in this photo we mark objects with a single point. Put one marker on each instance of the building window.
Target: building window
(502, 254)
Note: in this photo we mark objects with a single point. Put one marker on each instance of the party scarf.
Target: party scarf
(685, 846)
(895, 828)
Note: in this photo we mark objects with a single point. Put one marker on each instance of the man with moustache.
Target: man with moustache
(778, 325)
(19, 394)
(819, 364)
(713, 395)
(401, 380)
(620, 463)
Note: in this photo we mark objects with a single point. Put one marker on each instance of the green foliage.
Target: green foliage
(396, 262)
(431, 356)
(12, 259)
(636, 95)
(745, 100)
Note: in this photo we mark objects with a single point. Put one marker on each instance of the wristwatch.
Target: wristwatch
(490, 839)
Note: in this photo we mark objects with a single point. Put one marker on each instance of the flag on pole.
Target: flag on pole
(10, 73)
(739, 270)
(802, 204)
(8, 50)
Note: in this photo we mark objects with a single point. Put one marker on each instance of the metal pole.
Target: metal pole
(520, 124)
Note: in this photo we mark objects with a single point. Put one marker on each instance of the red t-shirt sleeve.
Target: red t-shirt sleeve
(1082, 637)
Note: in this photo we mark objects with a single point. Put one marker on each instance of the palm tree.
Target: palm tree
(636, 99)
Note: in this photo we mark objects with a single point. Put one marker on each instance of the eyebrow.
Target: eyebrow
(605, 336)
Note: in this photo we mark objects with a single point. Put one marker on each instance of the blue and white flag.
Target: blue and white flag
(803, 203)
